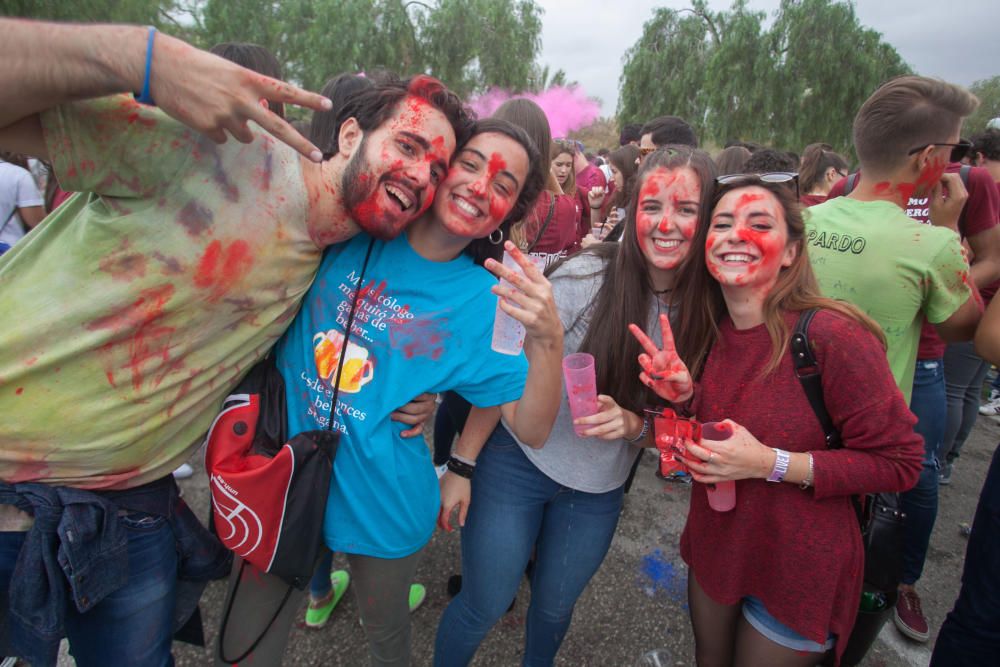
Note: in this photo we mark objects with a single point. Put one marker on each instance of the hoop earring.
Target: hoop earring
(499, 238)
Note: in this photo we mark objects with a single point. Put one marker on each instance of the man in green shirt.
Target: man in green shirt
(136, 306)
(866, 250)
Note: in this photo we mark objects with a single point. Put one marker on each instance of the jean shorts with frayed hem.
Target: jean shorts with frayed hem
(757, 615)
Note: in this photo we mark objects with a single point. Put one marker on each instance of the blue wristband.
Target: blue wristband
(145, 97)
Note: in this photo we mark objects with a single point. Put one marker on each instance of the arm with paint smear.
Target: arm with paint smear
(530, 301)
(50, 64)
(456, 491)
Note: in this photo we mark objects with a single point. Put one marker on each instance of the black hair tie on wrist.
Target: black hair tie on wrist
(461, 468)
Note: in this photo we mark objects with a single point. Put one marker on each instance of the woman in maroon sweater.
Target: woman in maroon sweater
(777, 580)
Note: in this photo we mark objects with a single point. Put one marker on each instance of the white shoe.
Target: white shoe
(183, 471)
(991, 408)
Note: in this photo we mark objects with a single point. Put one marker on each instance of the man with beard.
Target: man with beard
(149, 294)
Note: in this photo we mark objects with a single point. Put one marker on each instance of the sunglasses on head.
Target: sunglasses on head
(770, 177)
(958, 151)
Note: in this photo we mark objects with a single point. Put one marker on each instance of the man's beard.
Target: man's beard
(360, 188)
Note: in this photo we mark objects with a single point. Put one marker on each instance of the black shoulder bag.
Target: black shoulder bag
(879, 514)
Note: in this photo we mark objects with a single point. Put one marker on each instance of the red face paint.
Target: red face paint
(479, 191)
(747, 240)
(666, 216)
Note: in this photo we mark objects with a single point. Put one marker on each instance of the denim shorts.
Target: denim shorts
(779, 633)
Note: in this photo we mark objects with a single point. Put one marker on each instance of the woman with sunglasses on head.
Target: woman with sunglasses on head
(423, 322)
(777, 579)
(564, 500)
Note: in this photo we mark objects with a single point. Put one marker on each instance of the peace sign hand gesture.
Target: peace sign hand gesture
(662, 370)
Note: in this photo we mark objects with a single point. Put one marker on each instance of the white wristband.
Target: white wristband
(781, 461)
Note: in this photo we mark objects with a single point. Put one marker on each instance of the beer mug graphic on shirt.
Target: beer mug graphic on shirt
(358, 368)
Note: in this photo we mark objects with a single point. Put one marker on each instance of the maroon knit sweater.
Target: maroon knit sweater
(800, 550)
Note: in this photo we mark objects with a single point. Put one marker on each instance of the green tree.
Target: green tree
(798, 82)
(988, 92)
(160, 13)
(476, 44)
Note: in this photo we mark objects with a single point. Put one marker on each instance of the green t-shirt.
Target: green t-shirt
(133, 309)
(895, 269)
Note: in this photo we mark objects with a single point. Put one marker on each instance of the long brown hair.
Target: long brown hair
(560, 146)
(816, 159)
(624, 158)
(626, 294)
(796, 290)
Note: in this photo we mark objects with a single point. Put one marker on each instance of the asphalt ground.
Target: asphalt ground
(635, 603)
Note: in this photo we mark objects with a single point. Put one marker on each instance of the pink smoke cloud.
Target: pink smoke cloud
(567, 108)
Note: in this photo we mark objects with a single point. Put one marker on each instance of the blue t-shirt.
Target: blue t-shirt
(419, 326)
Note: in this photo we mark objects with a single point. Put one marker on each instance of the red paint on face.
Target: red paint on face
(747, 224)
(222, 267)
(666, 215)
(499, 206)
(139, 332)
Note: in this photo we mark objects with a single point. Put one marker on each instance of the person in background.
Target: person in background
(970, 635)
(821, 168)
(732, 160)
(770, 160)
(868, 250)
(563, 160)
(607, 210)
(588, 175)
(21, 205)
(754, 591)
(631, 134)
(985, 153)
(663, 131)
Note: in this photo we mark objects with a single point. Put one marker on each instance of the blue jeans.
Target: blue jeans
(920, 503)
(320, 585)
(133, 625)
(964, 372)
(514, 508)
(971, 632)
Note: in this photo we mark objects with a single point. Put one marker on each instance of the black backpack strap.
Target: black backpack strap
(852, 181)
(545, 225)
(808, 371)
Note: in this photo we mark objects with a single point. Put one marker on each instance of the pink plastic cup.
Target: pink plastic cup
(508, 333)
(581, 386)
(721, 496)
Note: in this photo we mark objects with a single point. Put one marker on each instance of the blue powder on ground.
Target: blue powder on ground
(663, 577)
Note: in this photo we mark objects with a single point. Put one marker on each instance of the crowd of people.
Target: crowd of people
(190, 234)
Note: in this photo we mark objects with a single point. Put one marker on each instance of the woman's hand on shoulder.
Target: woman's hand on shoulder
(611, 421)
(529, 299)
(740, 456)
(662, 369)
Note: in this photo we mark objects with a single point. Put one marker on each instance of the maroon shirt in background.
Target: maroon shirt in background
(980, 213)
(590, 177)
(812, 200)
(800, 551)
(560, 234)
(990, 290)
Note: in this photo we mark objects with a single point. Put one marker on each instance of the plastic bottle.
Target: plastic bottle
(722, 495)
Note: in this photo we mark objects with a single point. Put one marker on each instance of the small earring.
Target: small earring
(499, 237)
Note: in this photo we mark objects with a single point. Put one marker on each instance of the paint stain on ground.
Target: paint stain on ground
(660, 575)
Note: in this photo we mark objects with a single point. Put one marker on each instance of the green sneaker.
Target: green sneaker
(417, 595)
(319, 611)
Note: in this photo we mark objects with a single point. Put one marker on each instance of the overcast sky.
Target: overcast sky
(955, 40)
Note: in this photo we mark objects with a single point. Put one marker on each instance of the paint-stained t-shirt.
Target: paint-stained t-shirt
(894, 268)
(419, 326)
(139, 303)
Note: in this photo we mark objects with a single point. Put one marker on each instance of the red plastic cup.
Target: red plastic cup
(581, 386)
(722, 495)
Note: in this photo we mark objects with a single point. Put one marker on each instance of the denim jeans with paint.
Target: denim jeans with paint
(515, 508)
(971, 632)
(921, 502)
(133, 625)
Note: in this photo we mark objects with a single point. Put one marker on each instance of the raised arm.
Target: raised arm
(48, 64)
(530, 302)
